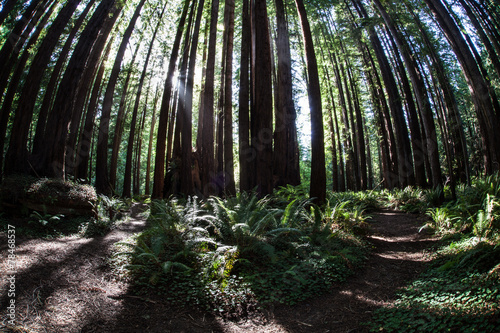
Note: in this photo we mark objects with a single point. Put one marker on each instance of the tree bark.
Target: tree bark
(318, 171)
(286, 159)
(207, 144)
(487, 118)
(19, 127)
(52, 161)
(244, 98)
(8, 6)
(85, 140)
(147, 189)
(127, 177)
(229, 184)
(102, 172)
(261, 117)
(405, 165)
(159, 173)
(120, 120)
(186, 158)
(25, 108)
(50, 89)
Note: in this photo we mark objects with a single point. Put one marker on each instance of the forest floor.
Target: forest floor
(67, 285)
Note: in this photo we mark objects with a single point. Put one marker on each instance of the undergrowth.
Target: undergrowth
(233, 255)
(36, 224)
(460, 291)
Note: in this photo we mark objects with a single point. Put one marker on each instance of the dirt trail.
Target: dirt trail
(66, 285)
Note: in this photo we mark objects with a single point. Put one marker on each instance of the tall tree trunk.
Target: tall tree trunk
(136, 187)
(147, 189)
(286, 161)
(419, 88)
(52, 161)
(348, 176)
(229, 184)
(487, 118)
(176, 163)
(207, 144)
(120, 120)
(331, 127)
(418, 178)
(350, 135)
(51, 87)
(219, 130)
(159, 173)
(456, 127)
(25, 108)
(262, 106)
(85, 140)
(244, 106)
(201, 106)
(127, 177)
(388, 153)
(187, 136)
(405, 165)
(360, 136)
(20, 129)
(318, 171)
(84, 90)
(102, 172)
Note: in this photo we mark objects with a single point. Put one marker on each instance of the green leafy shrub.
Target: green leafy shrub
(444, 220)
(230, 255)
(94, 227)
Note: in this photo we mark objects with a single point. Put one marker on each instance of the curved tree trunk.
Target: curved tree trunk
(102, 173)
(25, 108)
(51, 87)
(20, 128)
(85, 139)
(127, 177)
(487, 118)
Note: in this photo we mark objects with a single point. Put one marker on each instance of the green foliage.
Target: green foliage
(460, 293)
(488, 219)
(476, 210)
(109, 207)
(229, 255)
(443, 219)
(45, 225)
(290, 193)
(93, 227)
(366, 201)
(45, 220)
(410, 199)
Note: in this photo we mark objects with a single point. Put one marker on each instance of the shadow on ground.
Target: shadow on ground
(66, 285)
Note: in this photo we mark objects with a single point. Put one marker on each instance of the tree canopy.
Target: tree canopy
(197, 97)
